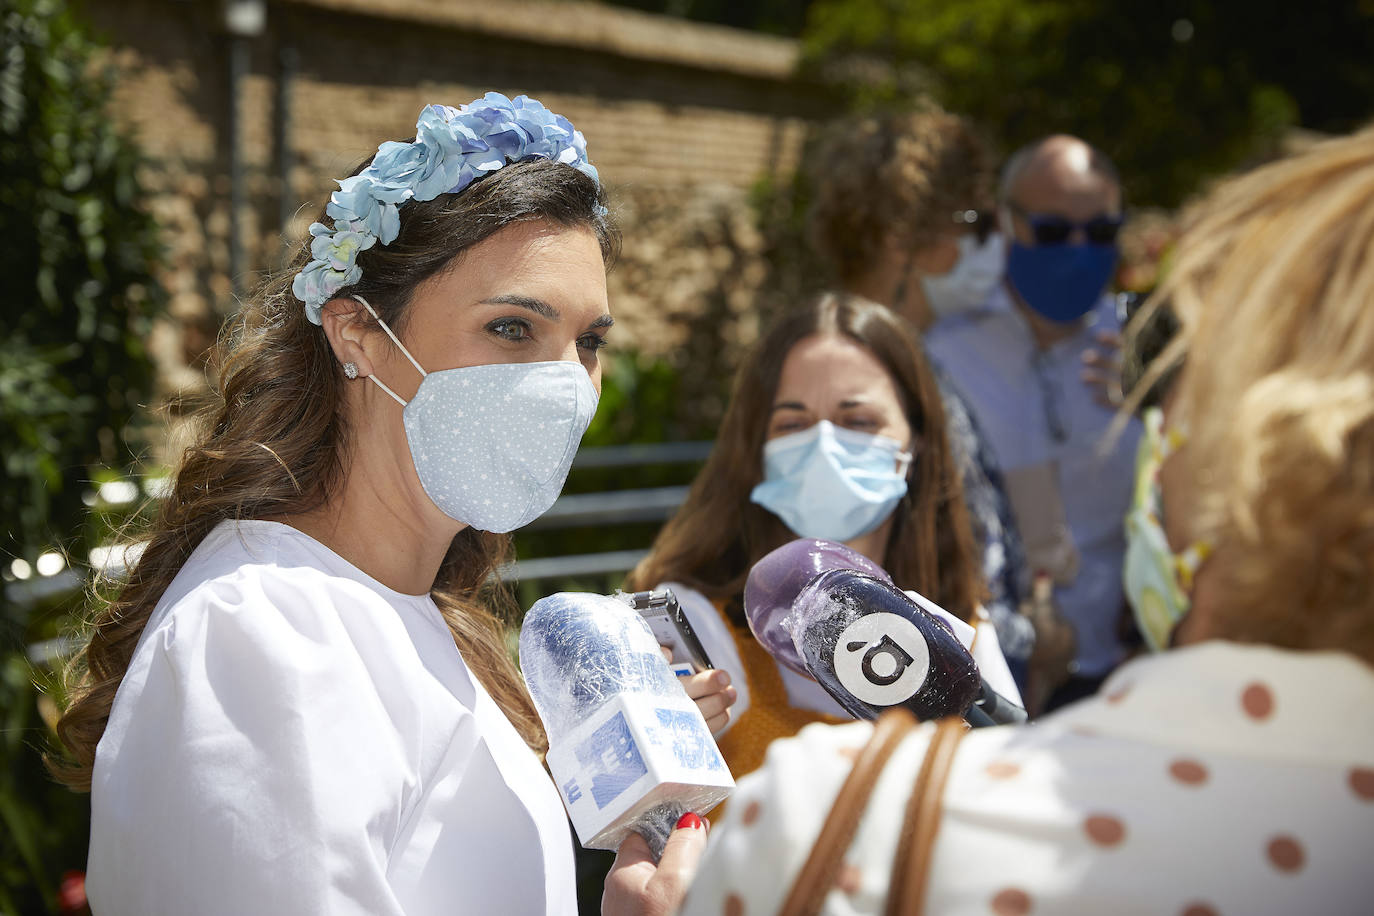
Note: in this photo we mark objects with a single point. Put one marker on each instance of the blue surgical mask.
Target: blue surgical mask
(1060, 282)
(832, 483)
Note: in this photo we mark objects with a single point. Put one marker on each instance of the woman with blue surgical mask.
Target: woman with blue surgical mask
(835, 430)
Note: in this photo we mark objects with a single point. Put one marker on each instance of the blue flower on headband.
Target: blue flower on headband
(453, 147)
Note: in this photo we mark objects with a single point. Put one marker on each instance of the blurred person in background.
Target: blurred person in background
(897, 216)
(1019, 364)
(834, 430)
(1227, 773)
(301, 699)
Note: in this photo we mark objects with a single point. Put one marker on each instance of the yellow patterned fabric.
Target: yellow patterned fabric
(769, 715)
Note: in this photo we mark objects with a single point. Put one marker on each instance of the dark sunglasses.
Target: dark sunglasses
(1049, 229)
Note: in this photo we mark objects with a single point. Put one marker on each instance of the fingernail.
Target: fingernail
(689, 821)
(723, 678)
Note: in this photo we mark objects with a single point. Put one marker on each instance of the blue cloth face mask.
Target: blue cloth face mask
(832, 483)
(492, 444)
(1060, 282)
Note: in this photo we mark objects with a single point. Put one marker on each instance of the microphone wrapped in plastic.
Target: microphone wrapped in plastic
(627, 748)
(830, 613)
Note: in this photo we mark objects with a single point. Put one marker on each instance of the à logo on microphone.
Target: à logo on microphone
(882, 659)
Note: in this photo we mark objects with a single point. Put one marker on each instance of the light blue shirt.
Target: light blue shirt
(1034, 409)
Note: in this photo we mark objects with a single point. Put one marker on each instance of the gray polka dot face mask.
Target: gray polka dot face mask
(493, 444)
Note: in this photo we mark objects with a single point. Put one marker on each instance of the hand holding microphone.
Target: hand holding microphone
(627, 748)
(829, 613)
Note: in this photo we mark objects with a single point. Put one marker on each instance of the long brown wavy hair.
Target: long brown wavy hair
(273, 439)
(719, 534)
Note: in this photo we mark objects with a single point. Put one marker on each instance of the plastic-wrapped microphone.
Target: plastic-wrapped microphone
(627, 748)
(831, 614)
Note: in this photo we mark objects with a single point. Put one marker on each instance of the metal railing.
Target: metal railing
(613, 507)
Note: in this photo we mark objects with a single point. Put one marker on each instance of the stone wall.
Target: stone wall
(681, 120)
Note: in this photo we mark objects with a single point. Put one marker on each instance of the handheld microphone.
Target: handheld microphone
(861, 638)
(627, 748)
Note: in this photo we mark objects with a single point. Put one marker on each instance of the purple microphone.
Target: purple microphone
(832, 614)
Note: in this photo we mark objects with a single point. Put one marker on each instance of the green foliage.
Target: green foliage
(1173, 92)
(76, 252)
(76, 256)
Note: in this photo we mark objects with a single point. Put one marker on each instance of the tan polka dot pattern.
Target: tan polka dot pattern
(751, 813)
(1188, 772)
(1010, 901)
(734, 906)
(1258, 701)
(1104, 829)
(1362, 782)
(1002, 769)
(1285, 853)
(850, 878)
(1199, 909)
(1119, 694)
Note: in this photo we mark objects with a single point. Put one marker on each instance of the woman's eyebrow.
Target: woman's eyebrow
(788, 405)
(538, 306)
(605, 321)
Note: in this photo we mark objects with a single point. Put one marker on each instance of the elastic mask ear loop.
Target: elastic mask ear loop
(400, 346)
(904, 460)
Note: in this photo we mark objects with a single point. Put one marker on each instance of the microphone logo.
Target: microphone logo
(882, 659)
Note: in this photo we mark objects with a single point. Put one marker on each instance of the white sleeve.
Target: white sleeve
(252, 764)
(714, 633)
(992, 663)
(981, 640)
(755, 854)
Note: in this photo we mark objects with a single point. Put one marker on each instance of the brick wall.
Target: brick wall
(681, 120)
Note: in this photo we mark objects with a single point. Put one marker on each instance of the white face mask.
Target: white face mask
(492, 444)
(832, 483)
(968, 285)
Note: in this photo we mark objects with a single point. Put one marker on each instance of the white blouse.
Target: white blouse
(1212, 780)
(294, 737)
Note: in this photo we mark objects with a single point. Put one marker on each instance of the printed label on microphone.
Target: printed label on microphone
(611, 759)
(882, 659)
(627, 755)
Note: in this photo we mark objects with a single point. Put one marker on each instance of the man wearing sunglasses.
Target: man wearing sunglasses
(1030, 364)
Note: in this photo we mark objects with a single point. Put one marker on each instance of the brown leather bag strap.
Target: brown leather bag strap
(911, 865)
(822, 867)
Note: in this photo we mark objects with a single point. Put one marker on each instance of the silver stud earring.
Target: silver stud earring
(351, 370)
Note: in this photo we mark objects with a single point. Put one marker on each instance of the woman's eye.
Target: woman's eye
(591, 342)
(865, 424)
(510, 328)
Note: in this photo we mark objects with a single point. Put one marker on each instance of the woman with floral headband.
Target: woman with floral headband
(272, 715)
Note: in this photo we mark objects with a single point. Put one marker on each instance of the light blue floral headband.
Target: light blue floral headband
(452, 148)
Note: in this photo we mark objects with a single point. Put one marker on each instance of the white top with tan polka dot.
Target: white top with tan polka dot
(1212, 780)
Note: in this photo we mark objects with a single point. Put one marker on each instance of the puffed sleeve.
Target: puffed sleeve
(259, 757)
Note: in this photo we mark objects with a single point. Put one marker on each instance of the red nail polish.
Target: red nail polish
(689, 821)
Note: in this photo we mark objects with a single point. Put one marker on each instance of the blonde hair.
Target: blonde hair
(1273, 285)
(897, 176)
(273, 438)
